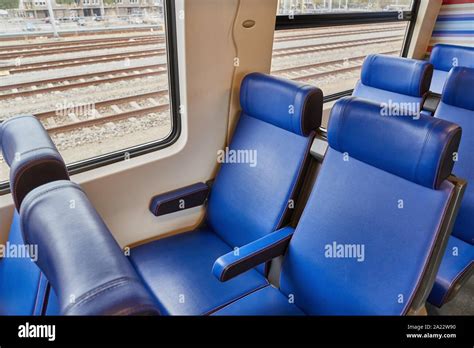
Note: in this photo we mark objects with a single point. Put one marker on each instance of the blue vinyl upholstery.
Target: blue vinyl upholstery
(282, 103)
(385, 249)
(444, 57)
(457, 105)
(22, 285)
(422, 156)
(31, 155)
(457, 263)
(52, 307)
(266, 301)
(246, 202)
(77, 253)
(178, 270)
(34, 161)
(380, 79)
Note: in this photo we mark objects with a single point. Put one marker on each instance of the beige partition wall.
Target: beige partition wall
(425, 22)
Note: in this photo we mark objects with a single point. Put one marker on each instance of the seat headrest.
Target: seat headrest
(78, 254)
(31, 155)
(417, 149)
(459, 88)
(396, 74)
(283, 103)
(444, 57)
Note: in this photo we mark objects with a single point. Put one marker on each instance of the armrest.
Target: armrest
(31, 155)
(180, 199)
(78, 255)
(251, 255)
(431, 102)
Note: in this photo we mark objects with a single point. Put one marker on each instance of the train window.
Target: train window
(324, 42)
(105, 87)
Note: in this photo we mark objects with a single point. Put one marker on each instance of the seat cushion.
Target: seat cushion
(438, 81)
(266, 301)
(178, 271)
(22, 286)
(457, 263)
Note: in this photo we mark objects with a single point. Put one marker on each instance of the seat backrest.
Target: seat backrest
(33, 158)
(388, 79)
(371, 228)
(457, 105)
(271, 141)
(444, 57)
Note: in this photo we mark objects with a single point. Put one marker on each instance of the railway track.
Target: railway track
(79, 48)
(78, 81)
(64, 63)
(77, 33)
(67, 63)
(279, 52)
(103, 112)
(65, 43)
(147, 104)
(331, 34)
(324, 69)
(61, 120)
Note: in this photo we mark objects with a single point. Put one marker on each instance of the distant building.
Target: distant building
(86, 8)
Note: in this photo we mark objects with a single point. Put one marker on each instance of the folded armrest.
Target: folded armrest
(78, 255)
(180, 199)
(251, 255)
(31, 155)
(431, 102)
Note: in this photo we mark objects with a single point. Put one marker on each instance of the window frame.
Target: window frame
(305, 21)
(174, 102)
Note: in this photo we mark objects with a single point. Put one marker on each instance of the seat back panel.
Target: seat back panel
(249, 200)
(444, 57)
(464, 167)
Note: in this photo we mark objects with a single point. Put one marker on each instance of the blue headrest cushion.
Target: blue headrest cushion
(458, 90)
(396, 74)
(444, 57)
(78, 254)
(417, 149)
(283, 103)
(31, 155)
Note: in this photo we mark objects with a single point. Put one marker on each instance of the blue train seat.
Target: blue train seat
(457, 105)
(444, 57)
(34, 161)
(87, 269)
(374, 228)
(277, 121)
(387, 79)
(22, 285)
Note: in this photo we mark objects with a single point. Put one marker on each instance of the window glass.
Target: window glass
(331, 57)
(288, 7)
(100, 87)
